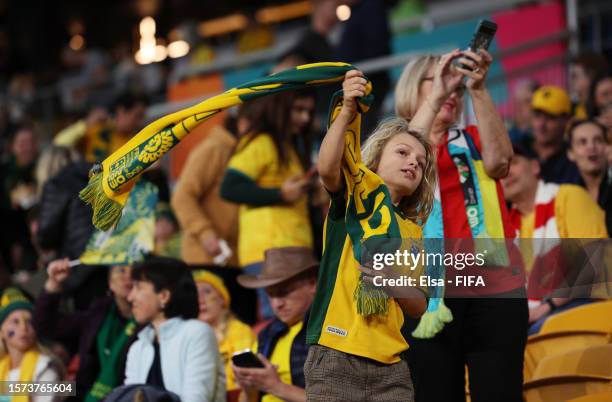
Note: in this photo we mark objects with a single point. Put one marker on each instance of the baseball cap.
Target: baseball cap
(551, 100)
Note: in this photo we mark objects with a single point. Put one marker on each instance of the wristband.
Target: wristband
(550, 303)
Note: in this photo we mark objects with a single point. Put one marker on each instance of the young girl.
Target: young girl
(21, 359)
(353, 343)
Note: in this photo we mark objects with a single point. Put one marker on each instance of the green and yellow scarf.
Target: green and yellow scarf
(111, 181)
(110, 342)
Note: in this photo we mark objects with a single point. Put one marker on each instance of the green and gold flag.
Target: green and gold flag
(133, 237)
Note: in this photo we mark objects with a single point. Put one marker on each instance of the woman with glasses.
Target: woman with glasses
(488, 332)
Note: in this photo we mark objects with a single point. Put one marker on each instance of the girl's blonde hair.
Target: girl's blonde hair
(407, 88)
(417, 206)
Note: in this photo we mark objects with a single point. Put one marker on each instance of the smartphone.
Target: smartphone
(483, 36)
(246, 358)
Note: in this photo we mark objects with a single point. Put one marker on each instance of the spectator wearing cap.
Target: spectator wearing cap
(552, 109)
(21, 358)
(550, 211)
(588, 142)
(214, 309)
(289, 277)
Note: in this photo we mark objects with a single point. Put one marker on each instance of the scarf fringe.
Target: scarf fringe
(106, 212)
(432, 322)
(370, 300)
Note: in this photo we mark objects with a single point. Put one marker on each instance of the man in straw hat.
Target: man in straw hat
(289, 279)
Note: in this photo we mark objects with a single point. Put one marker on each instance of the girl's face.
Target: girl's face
(18, 332)
(146, 303)
(211, 303)
(402, 163)
(302, 112)
(451, 109)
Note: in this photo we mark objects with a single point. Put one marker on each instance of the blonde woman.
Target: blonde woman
(214, 309)
(21, 359)
(488, 335)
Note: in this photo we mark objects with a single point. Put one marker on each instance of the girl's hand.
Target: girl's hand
(354, 86)
(480, 63)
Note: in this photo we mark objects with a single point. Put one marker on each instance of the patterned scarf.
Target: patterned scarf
(544, 245)
(482, 208)
(111, 181)
(370, 219)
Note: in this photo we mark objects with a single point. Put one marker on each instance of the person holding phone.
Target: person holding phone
(276, 373)
(486, 333)
(267, 177)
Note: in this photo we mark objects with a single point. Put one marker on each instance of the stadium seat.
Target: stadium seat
(601, 397)
(572, 374)
(562, 388)
(591, 361)
(544, 345)
(590, 317)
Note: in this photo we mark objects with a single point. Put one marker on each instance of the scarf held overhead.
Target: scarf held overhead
(111, 181)
(370, 218)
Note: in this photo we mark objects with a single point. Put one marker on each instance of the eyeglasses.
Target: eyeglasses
(460, 90)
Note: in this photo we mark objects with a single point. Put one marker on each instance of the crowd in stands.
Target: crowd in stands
(254, 209)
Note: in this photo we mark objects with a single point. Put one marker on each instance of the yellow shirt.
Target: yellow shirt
(334, 321)
(238, 336)
(576, 216)
(580, 112)
(281, 357)
(100, 141)
(261, 228)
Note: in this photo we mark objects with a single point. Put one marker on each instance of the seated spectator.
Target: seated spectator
(99, 335)
(551, 112)
(548, 211)
(521, 101)
(232, 334)
(17, 195)
(599, 102)
(167, 232)
(51, 161)
(99, 136)
(588, 142)
(64, 227)
(21, 358)
(289, 278)
(164, 298)
(583, 68)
